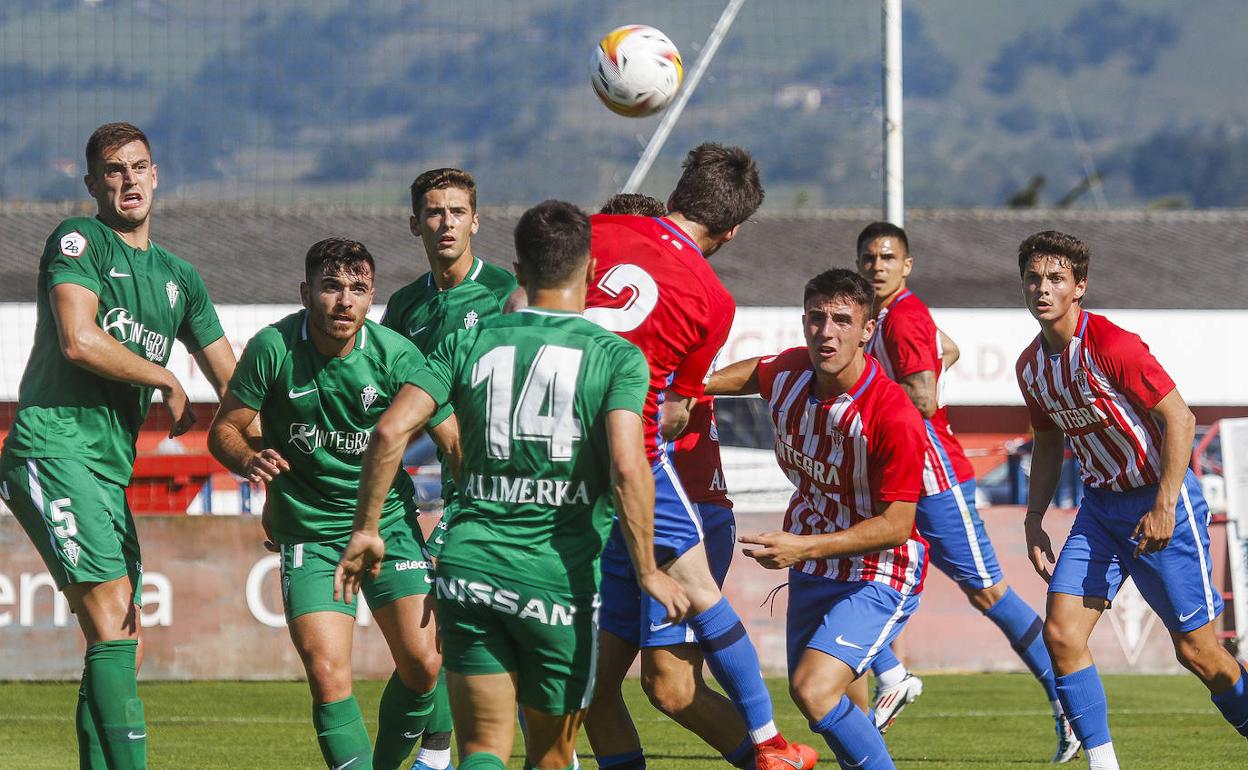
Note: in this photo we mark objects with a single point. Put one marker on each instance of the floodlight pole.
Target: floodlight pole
(894, 171)
(657, 141)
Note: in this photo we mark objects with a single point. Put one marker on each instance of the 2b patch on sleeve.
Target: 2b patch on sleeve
(73, 244)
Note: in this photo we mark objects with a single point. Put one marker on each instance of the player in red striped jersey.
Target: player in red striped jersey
(852, 443)
(908, 346)
(654, 287)
(1142, 515)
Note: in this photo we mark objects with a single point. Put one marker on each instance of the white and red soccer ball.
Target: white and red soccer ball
(636, 70)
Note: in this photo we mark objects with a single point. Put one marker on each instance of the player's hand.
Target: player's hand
(1039, 547)
(779, 549)
(666, 591)
(362, 556)
(179, 407)
(1154, 530)
(265, 465)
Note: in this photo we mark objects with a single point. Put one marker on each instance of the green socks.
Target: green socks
(341, 734)
(90, 749)
(402, 719)
(112, 696)
(440, 719)
(482, 761)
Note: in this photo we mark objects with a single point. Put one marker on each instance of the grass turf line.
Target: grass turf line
(961, 721)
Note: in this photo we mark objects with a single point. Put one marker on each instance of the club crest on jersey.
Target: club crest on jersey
(171, 291)
(368, 396)
(73, 244)
(471, 319)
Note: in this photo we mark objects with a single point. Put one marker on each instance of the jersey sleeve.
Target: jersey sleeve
(895, 455)
(910, 341)
(689, 379)
(407, 367)
(630, 380)
(200, 325)
(69, 257)
(770, 366)
(1132, 367)
(258, 368)
(1040, 419)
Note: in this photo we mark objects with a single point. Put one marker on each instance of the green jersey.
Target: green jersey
(147, 298)
(532, 390)
(318, 412)
(427, 315)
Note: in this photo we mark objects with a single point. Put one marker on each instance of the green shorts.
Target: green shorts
(308, 572)
(79, 521)
(491, 625)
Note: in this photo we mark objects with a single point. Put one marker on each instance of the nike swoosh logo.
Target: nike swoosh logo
(860, 763)
(841, 641)
(346, 764)
(414, 332)
(114, 274)
(413, 736)
(658, 626)
(136, 736)
(300, 393)
(793, 763)
(1184, 618)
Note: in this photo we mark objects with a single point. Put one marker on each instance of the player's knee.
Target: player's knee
(1061, 640)
(983, 599)
(813, 695)
(329, 679)
(1199, 657)
(667, 693)
(419, 669)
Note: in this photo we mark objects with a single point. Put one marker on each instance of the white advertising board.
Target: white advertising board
(1195, 346)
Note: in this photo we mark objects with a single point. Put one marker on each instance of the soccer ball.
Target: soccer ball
(636, 70)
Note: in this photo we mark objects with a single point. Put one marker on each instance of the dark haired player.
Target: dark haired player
(550, 409)
(109, 303)
(653, 286)
(1096, 386)
(459, 291)
(853, 444)
(319, 379)
(908, 346)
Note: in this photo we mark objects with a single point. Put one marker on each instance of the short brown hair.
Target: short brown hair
(636, 204)
(552, 243)
(839, 283)
(719, 188)
(441, 179)
(337, 255)
(878, 230)
(110, 136)
(1051, 243)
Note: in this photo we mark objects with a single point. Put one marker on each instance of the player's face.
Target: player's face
(837, 329)
(122, 183)
(338, 300)
(445, 223)
(1050, 289)
(886, 264)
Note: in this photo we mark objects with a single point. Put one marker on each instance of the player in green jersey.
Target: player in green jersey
(319, 379)
(109, 305)
(459, 291)
(549, 408)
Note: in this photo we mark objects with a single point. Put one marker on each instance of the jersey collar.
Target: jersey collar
(896, 300)
(549, 312)
(676, 232)
(865, 379)
(477, 266)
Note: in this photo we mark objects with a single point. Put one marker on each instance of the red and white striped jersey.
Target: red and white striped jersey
(1099, 391)
(846, 455)
(695, 455)
(906, 342)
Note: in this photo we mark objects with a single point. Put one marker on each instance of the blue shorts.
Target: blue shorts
(1100, 554)
(632, 615)
(851, 621)
(677, 527)
(960, 547)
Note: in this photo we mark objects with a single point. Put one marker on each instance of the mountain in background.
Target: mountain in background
(1070, 102)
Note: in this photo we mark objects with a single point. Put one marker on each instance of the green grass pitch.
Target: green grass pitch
(961, 721)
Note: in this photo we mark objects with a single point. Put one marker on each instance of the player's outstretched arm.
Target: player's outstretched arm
(633, 485)
(85, 344)
(1048, 449)
(739, 379)
(408, 413)
(1156, 526)
(229, 441)
(949, 350)
(446, 435)
(890, 527)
